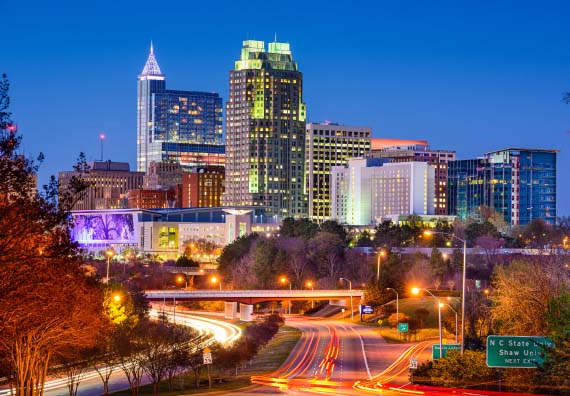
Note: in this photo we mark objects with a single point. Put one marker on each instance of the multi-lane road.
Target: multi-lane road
(331, 357)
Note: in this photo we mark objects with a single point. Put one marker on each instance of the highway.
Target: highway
(91, 384)
(330, 358)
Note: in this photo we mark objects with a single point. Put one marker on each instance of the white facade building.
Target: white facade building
(369, 190)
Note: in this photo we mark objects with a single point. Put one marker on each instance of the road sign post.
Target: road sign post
(207, 355)
(446, 347)
(413, 363)
(413, 368)
(366, 309)
(517, 351)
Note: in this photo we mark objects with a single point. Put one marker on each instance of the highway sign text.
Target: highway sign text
(519, 352)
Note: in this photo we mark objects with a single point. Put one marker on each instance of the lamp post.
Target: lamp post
(311, 285)
(429, 233)
(284, 280)
(109, 253)
(397, 310)
(416, 291)
(381, 253)
(351, 306)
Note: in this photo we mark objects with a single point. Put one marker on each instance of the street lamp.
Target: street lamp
(351, 306)
(416, 291)
(181, 279)
(284, 280)
(397, 309)
(429, 233)
(311, 285)
(381, 253)
(109, 253)
(215, 280)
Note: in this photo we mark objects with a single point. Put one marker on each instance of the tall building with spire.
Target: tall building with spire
(265, 131)
(176, 126)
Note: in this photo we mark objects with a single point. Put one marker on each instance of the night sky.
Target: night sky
(473, 76)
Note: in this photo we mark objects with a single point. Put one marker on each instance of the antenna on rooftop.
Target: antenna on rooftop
(102, 138)
(275, 37)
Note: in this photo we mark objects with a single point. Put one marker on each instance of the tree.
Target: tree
(522, 292)
(327, 253)
(302, 228)
(296, 251)
(334, 227)
(184, 261)
(43, 317)
(456, 370)
(158, 345)
(233, 253)
(554, 375)
(48, 305)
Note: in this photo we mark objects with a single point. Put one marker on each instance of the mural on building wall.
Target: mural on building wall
(104, 227)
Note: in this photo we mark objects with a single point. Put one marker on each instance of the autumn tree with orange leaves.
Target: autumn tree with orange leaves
(49, 308)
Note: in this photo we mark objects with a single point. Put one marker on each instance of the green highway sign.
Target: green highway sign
(403, 327)
(518, 352)
(446, 347)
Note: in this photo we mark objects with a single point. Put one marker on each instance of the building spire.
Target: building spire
(151, 67)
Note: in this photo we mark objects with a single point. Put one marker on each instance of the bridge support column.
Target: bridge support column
(230, 310)
(245, 311)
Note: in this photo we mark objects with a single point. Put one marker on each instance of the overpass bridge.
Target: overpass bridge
(247, 298)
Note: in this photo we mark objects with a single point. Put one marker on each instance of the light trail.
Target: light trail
(222, 332)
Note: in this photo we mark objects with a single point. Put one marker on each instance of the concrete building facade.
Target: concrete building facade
(109, 184)
(329, 145)
(366, 191)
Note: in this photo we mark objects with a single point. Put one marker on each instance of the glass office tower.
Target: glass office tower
(265, 134)
(518, 183)
(178, 126)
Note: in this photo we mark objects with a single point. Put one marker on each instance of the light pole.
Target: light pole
(381, 253)
(310, 284)
(109, 253)
(351, 306)
(397, 309)
(284, 280)
(429, 233)
(416, 291)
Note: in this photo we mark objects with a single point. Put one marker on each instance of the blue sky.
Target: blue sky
(473, 76)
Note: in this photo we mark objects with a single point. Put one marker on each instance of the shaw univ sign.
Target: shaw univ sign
(517, 352)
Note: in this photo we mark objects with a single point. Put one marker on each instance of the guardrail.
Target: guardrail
(251, 296)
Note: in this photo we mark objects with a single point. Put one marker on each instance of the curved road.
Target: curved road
(91, 384)
(329, 358)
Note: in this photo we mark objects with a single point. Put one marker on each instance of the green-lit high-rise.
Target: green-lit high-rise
(265, 131)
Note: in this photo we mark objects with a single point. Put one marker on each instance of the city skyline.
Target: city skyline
(473, 80)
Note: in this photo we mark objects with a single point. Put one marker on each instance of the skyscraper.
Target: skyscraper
(518, 183)
(265, 131)
(176, 126)
(329, 145)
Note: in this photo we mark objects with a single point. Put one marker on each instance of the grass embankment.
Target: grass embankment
(269, 359)
(430, 326)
